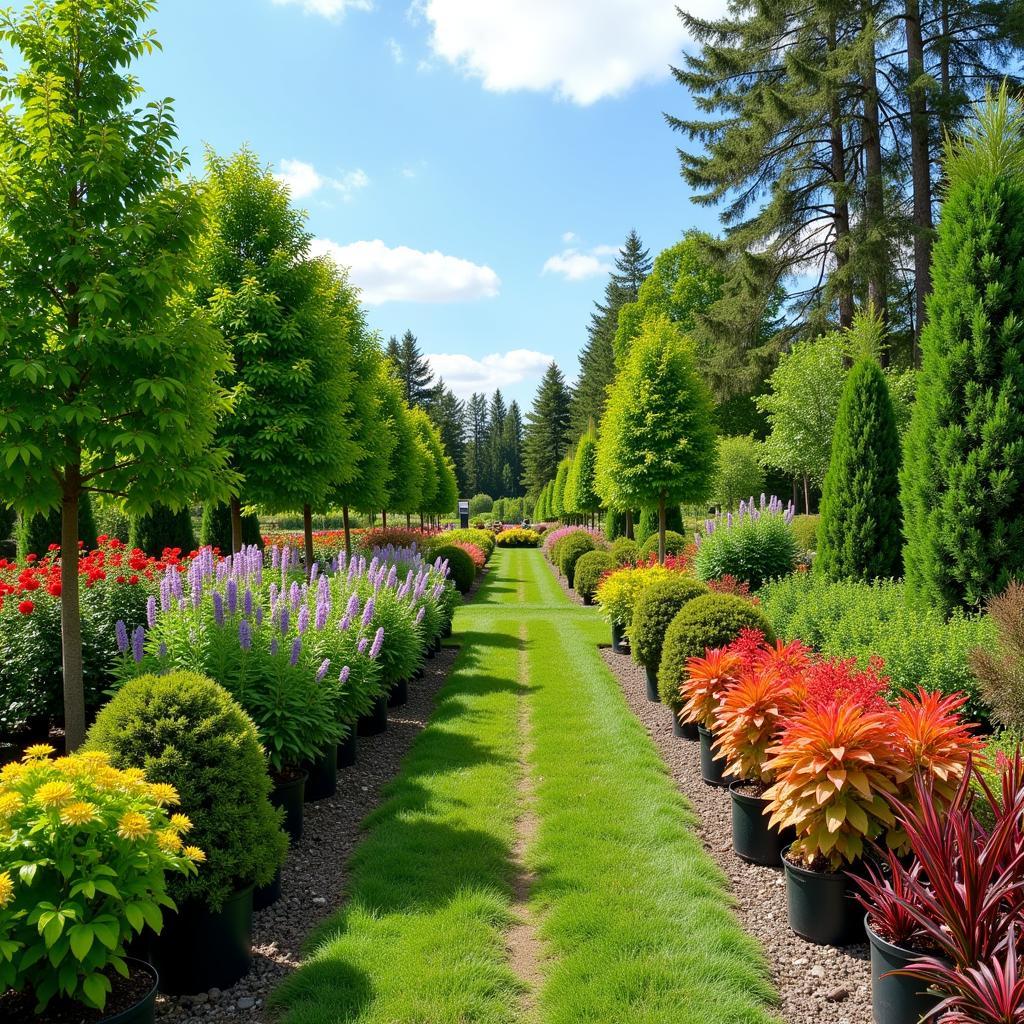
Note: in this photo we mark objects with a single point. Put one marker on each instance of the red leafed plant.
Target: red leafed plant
(705, 682)
(842, 680)
(834, 767)
(884, 894)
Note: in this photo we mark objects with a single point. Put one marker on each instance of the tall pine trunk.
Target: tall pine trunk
(348, 533)
(71, 612)
(307, 529)
(236, 524)
(840, 203)
(874, 185)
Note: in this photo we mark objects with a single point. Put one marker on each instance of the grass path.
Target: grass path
(533, 862)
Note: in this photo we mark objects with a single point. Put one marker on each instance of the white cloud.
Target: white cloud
(465, 374)
(568, 236)
(304, 180)
(397, 54)
(578, 264)
(328, 8)
(401, 274)
(582, 51)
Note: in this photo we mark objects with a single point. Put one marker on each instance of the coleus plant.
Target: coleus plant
(706, 680)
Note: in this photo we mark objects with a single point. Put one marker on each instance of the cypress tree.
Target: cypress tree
(582, 482)
(963, 470)
(558, 509)
(34, 534)
(162, 527)
(859, 535)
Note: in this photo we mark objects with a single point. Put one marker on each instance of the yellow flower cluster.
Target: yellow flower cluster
(6, 889)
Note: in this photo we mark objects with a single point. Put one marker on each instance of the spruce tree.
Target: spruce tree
(859, 534)
(546, 436)
(963, 468)
(448, 411)
(495, 461)
(512, 449)
(476, 475)
(412, 369)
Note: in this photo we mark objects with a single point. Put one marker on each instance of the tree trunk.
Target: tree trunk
(348, 533)
(661, 528)
(807, 496)
(236, 524)
(384, 519)
(307, 529)
(71, 613)
(920, 169)
(629, 525)
(408, 520)
(874, 185)
(840, 203)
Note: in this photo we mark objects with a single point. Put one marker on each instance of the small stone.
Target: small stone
(215, 993)
(837, 995)
(817, 971)
(246, 1003)
(800, 961)
(199, 998)
(320, 901)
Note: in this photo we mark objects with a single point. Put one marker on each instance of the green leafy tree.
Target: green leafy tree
(35, 534)
(963, 467)
(546, 436)
(405, 481)
(658, 441)
(558, 509)
(448, 411)
(433, 463)
(581, 486)
(290, 433)
(740, 473)
(859, 533)
(108, 382)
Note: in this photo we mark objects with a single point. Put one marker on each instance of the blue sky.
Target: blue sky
(483, 155)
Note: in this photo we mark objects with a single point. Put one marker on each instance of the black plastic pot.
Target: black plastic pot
(752, 839)
(347, 749)
(199, 949)
(430, 652)
(712, 769)
(651, 675)
(618, 635)
(376, 722)
(144, 1011)
(289, 794)
(264, 896)
(399, 694)
(678, 729)
(588, 600)
(822, 907)
(895, 999)
(323, 775)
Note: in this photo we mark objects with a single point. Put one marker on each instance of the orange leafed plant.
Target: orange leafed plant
(834, 766)
(705, 682)
(750, 718)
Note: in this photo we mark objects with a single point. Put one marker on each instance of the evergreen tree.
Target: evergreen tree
(558, 508)
(512, 450)
(496, 444)
(597, 359)
(581, 487)
(215, 528)
(546, 436)
(963, 468)
(412, 369)
(859, 534)
(475, 473)
(405, 481)
(162, 527)
(449, 414)
(35, 534)
(658, 436)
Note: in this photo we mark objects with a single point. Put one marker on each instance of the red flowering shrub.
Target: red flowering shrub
(477, 554)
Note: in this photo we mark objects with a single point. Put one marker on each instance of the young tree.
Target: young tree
(581, 487)
(431, 459)
(739, 474)
(558, 507)
(658, 437)
(108, 382)
(963, 469)
(546, 436)
(859, 535)
(290, 433)
(412, 369)
(405, 480)
(512, 449)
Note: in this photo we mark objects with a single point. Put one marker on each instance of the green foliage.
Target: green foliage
(406, 477)
(862, 620)
(739, 474)
(805, 529)
(460, 565)
(480, 504)
(589, 569)
(215, 528)
(35, 533)
(581, 495)
(184, 730)
(546, 436)
(614, 524)
(861, 521)
(675, 544)
(646, 524)
(753, 550)
(626, 551)
(658, 436)
(712, 620)
(656, 605)
(570, 548)
(963, 470)
(558, 510)
(162, 527)
(483, 539)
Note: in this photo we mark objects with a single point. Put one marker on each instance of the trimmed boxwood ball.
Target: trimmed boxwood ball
(655, 608)
(590, 567)
(184, 729)
(675, 544)
(570, 550)
(625, 551)
(712, 620)
(461, 569)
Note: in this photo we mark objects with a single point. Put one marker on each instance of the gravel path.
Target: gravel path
(315, 872)
(817, 984)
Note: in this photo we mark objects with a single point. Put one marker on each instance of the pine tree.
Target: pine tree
(412, 369)
(547, 434)
(963, 470)
(477, 425)
(512, 447)
(449, 414)
(496, 444)
(597, 359)
(859, 534)
(658, 436)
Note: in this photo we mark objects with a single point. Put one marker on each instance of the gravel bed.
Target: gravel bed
(315, 873)
(570, 594)
(816, 984)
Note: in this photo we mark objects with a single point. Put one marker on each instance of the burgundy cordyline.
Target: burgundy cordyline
(378, 642)
(244, 634)
(138, 644)
(121, 633)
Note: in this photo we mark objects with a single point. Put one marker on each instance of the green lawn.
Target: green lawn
(633, 916)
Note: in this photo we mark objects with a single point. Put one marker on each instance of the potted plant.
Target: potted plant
(85, 850)
(616, 594)
(187, 732)
(657, 604)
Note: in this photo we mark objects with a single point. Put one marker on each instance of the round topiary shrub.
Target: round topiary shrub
(712, 620)
(590, 567)
(625, 551)
(656, 606)
(185, 730)
(461, 569)
(675, 544)
(570, 550)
